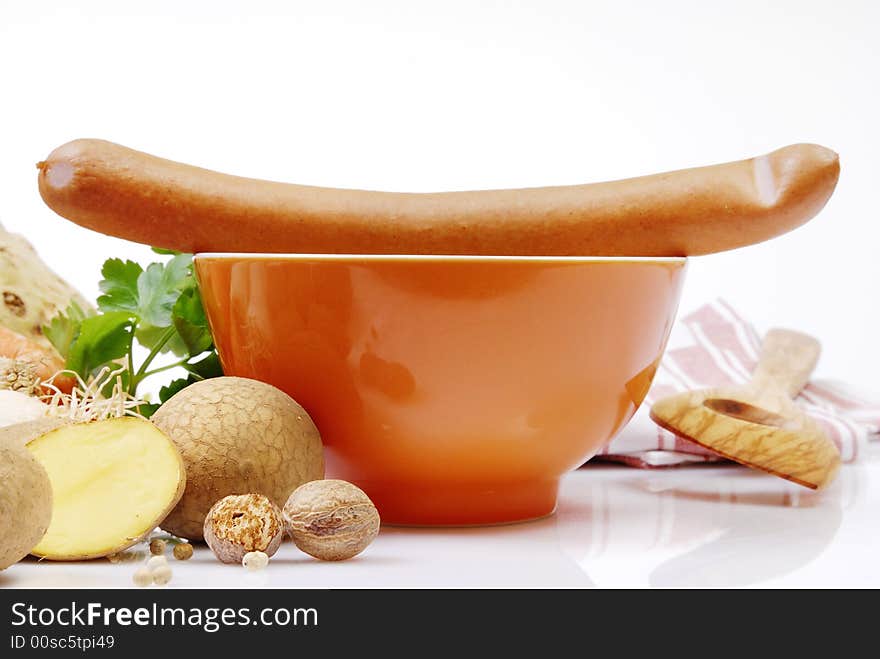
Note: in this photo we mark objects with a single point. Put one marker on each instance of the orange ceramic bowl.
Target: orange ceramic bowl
(452, 389)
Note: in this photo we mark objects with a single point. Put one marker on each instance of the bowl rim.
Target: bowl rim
(435, 257)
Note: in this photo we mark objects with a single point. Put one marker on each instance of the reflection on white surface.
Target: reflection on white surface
(615, 526)
(714, 527)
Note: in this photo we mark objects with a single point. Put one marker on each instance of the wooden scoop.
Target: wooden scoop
(758, 424)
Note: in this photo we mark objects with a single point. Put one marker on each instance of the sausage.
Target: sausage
(133, 195)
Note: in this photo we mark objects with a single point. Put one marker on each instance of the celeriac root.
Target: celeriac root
(19, 375)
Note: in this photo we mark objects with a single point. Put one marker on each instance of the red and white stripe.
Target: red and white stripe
(714, 346)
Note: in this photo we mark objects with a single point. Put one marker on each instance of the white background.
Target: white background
(459, 95)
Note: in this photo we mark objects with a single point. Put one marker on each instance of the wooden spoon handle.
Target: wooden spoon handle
(787, 360)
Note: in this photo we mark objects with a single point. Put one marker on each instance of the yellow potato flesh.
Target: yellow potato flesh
(113, 481)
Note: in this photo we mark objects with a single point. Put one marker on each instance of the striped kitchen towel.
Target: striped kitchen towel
(715, 346)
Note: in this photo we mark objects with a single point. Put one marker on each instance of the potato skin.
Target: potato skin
(25, 503)
(21, 434)
(237, 435)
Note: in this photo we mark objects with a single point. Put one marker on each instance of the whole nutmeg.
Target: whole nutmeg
(331, 520)
(242, 523)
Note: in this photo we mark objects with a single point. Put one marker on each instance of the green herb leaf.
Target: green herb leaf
(166, 392)
(63, 329)
(147, 410)
(120, 286)
(206, 368)
(159, 287)
(165, 252)
(160, 307)
(149, 294)
(156, 298)
(101, 340)
(189, 318)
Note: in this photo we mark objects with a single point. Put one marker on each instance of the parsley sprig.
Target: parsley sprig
(158, 307)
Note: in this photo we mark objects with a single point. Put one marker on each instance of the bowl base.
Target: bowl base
(460, 504)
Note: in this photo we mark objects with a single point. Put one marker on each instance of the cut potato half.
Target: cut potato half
(113, 482)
